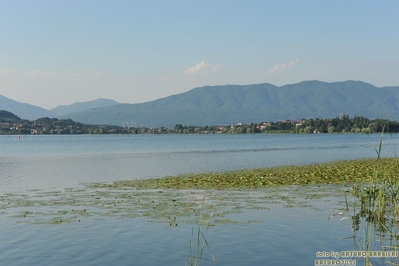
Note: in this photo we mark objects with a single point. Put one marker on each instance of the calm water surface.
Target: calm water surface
(283, 235)
(56, 162)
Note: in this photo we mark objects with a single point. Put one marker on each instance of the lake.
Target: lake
(48, 216)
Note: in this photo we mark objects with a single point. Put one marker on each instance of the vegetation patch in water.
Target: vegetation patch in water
(341, 172)
(176, 200)
(171, 207)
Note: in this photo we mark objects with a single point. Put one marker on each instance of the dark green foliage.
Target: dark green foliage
(12, 124)
(357, 124)
(8, 116)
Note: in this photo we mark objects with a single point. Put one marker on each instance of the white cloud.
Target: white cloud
(282, 67)
(7, 72)
(216, 68)
(363, 72)
(320, 72)
(34, 73)
(202, 67)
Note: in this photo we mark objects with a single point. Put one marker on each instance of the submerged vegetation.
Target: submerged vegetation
(169, 207)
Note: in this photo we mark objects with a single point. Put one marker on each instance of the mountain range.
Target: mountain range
(24, 110)
(231, 104)
(82, 106)
(31, 112)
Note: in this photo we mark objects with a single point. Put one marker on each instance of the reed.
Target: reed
(198, 241)
(374, 211)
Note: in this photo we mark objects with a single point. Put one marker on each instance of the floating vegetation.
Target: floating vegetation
(171, 207)
(341, 172)
(176, 200)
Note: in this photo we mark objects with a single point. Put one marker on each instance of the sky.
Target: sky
(60, 52)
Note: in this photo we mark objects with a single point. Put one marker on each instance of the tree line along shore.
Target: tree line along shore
(11, 124)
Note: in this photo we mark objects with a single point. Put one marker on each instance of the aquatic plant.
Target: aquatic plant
(339, 172)
(197, 247)
(374, 210)
(160, 206)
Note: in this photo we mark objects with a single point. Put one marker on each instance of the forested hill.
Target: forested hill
(8, 116)
(231, 104)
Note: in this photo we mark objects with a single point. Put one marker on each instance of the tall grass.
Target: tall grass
(198, 241)
(374, 212)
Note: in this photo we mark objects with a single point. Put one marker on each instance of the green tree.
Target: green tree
(178, 128)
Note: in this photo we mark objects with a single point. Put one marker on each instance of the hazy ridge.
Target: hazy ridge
(231, 104)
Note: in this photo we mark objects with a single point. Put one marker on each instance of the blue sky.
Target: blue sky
(60, 52)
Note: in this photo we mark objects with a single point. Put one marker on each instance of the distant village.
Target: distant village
(342, 124)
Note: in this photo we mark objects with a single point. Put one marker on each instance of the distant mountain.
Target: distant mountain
(8, 116)
(230, 104)
(24, 110)
(82, 106)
